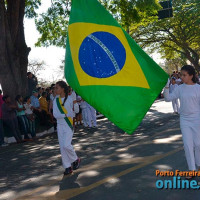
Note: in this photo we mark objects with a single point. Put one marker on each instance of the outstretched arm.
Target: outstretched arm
(170, 96)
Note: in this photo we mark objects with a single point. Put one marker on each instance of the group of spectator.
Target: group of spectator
(20, 116)
(176, 75)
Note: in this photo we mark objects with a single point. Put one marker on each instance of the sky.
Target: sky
(52, 56)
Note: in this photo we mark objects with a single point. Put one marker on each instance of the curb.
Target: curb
(10, 140)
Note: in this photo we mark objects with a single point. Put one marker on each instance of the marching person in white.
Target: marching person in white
(189, 95)
(175, 102)
(91, 115)
(65, 133)
(84, 112)
(75, 106)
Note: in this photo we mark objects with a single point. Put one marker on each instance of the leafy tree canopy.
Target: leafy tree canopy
(178, 36)
(31, 7)
(174, 37)
(52, 25)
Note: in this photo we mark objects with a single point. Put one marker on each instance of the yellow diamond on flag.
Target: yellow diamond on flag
(104, 49)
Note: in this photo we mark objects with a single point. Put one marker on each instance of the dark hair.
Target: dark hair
(52, 85)
(0, 91)
(191, 71)
(44, 93)
(28, 73)
(18, 97)
(64, 85)
(26, 98)
(69, 89)
(5, 97)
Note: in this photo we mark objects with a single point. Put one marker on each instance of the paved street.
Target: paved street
(114, 165)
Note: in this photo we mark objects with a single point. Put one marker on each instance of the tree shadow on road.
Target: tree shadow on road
(104, 146)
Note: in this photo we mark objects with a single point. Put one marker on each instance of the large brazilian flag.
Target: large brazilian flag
(107, 68)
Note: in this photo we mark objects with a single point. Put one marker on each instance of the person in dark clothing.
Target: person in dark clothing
(32, 83)
(10, 119)
(39, 89)
(2, 142)
(48, 91)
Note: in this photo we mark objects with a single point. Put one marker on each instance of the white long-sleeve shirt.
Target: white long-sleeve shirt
(189, 96)
(172, 87)
(58, 115)
(83, 105)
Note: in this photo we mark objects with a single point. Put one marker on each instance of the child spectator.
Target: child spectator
(30, 116)
(22, 119)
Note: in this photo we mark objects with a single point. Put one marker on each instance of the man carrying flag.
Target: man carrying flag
(106, 67)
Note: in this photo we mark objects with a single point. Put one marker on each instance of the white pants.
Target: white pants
(68, 154)
(175, 105)
(84, 115)
(91, 112)
(191, 141)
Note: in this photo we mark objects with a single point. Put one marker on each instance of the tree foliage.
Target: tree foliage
(53, 24)
(174, 64)
(31, 7)
(176, 37)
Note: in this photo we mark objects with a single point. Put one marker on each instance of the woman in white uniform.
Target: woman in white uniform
(63, 113)
(175, 102)
(189, 95)
(91, 115)
(84, 112)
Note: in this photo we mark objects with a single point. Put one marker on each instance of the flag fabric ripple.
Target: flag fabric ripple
(106, 67)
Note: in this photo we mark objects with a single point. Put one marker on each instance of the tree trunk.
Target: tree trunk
(13, 49)
(193, 57)
(195, 62)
